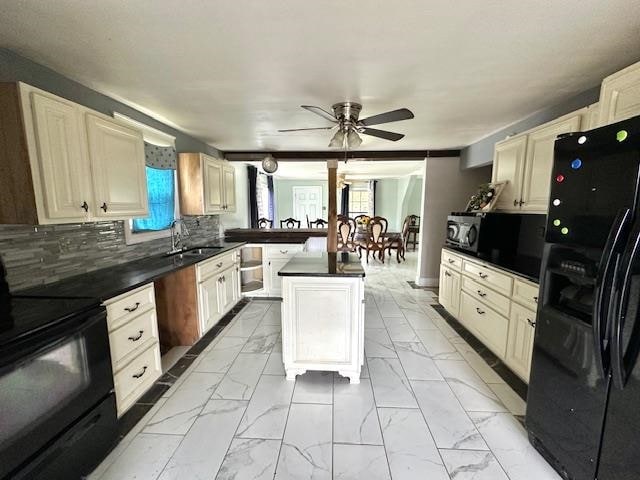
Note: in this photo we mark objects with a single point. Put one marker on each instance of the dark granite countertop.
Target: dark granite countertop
(522, 265)
(113, 281)
(323, 264)
(273, 235)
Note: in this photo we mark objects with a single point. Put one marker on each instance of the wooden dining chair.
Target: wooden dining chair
(399, 242)
(346, 230)
(265, 223)
(375, 237)
(290, 223)
(319, 223)
(414, 229)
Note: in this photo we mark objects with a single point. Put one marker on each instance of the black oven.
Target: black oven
(57, 406)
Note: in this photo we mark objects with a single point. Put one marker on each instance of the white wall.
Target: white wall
(446, 188)
(239, 219)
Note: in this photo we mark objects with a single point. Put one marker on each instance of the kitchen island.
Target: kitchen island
(323, 314)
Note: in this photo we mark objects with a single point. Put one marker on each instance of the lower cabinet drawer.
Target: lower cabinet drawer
(498, 302)
(135, 378)
(285, 250)
(526, 293)
(491, 327)
(214, 265)
(500, 282)
(121, 309)
(132, 338)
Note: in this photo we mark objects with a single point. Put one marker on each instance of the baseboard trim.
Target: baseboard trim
(427, 282)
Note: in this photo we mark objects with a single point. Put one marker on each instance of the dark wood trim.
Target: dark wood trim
(332, 234)
(373, 155)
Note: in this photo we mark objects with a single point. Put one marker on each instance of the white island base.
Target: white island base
(323, 324)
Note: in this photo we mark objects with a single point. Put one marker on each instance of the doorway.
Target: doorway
(307, 203)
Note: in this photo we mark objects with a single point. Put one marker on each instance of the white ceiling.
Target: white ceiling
(232, 72)
(352, 170)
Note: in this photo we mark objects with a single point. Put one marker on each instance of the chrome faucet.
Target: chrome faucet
(176, 237)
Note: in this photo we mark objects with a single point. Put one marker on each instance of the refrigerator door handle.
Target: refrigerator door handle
(629, 259)
(600, 307)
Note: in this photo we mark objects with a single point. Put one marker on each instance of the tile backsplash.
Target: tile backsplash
(35, 255)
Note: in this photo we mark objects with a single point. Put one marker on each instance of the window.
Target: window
(162, 202)
(358, 202)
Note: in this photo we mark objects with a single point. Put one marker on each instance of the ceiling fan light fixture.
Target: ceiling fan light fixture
(353, 139)
(338, 140)
(269, 164)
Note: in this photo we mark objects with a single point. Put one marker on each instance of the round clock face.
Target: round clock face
(269, 164)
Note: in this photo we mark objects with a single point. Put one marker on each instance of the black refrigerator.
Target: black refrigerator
(583, 406)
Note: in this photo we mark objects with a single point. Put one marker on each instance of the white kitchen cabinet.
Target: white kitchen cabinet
(487, 324)
(620, 95)
(229, 187)
(207, 185)
(227, 294)
(64, 161)
(525, 163)
(274, 282)
(64, 190)
(323, 325)
(449, 290)
(209, 307)
(592, 118)
(520, 343)
(536, 181)
(508, 165)
(117, 160)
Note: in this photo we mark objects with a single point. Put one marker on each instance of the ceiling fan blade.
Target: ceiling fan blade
(301, 129)
(392, 116)
(374, 132)
(320, 111)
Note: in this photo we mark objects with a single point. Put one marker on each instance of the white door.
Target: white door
(536, 181)
(508, 163)
(64, 173)
(116, 153)
(213, 185)
(229, 181)
(307, 201)
(520, 342)
(209, 304)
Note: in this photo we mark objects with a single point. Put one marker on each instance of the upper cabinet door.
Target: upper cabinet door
(64, 188)
(213, 185)
(229, 188)
(620, 95)
(539, 162)
(117, 160)
(508, 164)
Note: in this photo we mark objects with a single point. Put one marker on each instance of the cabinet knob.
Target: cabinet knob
(521, 202)
(532, 323)
(480, 312)
(85, 206)
(104, 207)
(535, 299)
(515, 203)
(481, 293)
(482, 275)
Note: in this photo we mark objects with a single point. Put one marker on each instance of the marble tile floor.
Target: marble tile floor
(426, 407)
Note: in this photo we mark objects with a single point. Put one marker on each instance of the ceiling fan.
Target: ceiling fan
(345, 118)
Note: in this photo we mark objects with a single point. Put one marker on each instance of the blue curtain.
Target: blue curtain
(161, 192)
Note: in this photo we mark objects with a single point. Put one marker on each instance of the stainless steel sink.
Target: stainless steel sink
(193, 252)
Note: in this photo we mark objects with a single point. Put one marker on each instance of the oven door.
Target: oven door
(47, 382)
(463, 233)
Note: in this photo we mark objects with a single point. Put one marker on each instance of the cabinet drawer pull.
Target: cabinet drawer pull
(138, 375)
(284, 252)
(137, 337)
(451, 261)
(85, 206)
(533, 324)
(218, 265)
(535, 299)
(515, 203)
(132, 309)
(480, 312)
(481, 293)
(482, 275)
(447, 274)
(104, 207)
(521, 202)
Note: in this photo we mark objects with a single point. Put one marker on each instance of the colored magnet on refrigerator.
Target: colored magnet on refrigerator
(564, 230)
(576, 164)
(557, 222)
(559, 178)
(622, 135)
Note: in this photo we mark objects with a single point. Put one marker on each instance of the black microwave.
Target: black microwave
(481, 233)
